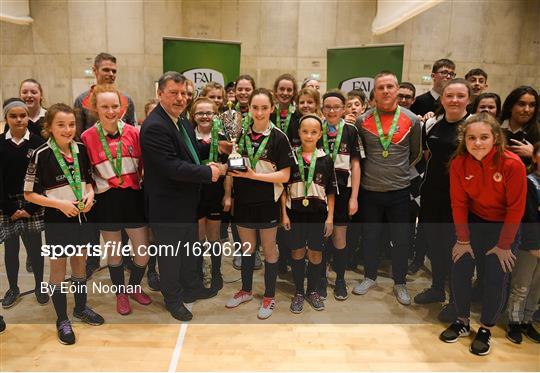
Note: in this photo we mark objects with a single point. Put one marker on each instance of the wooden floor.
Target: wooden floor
(364, 333)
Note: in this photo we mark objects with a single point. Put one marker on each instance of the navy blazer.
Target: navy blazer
(172, 179)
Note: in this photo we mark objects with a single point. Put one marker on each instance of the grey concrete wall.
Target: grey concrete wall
(503, 37)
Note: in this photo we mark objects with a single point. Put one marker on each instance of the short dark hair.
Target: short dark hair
(476, 71)
(409, 86)
(443, 62)
(385, 73)
(334, 93)
(103, 57)
(484, 95)
(175, 76)
(358, 94)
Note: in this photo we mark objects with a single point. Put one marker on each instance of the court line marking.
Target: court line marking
(178, 348)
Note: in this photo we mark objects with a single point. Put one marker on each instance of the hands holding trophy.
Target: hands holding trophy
(232, 126)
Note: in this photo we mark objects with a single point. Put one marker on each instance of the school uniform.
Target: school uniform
(521, 134)
(290, 128)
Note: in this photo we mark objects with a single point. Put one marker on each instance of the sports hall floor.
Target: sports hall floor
(365, 333)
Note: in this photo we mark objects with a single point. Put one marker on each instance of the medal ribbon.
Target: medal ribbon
(116, 164)
(313, 161)
(287, 121)
(246, 141)
(386, 140)
(74, 181)
(337, 143)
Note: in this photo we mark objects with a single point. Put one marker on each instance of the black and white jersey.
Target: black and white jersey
(276, 156)
(292, 130)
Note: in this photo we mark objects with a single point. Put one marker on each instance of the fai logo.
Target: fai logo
(201, 77)
(360, 83)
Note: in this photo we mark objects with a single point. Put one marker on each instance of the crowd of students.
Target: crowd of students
(442, 174)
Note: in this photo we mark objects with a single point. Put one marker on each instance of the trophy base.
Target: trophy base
(236, 164)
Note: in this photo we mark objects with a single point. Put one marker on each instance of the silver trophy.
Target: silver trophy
(232, 126)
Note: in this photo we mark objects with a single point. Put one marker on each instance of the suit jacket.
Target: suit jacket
(172, 179)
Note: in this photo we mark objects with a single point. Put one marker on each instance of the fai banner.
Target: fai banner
(354, 68)
(202, 61)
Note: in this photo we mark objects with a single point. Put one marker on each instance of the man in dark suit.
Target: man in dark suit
(173, 176)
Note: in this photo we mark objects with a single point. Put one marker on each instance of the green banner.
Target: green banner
(202, 61)
(354, 68)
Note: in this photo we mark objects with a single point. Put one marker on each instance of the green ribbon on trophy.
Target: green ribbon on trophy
(214, 139)
(75, 181)
(337, 143)
(116, 164)
(301, 167)
(386, 140)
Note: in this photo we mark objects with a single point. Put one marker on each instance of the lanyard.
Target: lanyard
(115, 163)
(309, 181)
(74, 181)
(337, 143)
(188, 142)
(287, 121)
(214, 138)
(253, 159)
(386, 140)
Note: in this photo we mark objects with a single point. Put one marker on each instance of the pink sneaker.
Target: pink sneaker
(122, 304)
(141, 298)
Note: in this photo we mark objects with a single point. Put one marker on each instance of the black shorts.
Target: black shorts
(210, 210)
(119, 208)
(257, 215)
(341, 207)
(307, 229)
(68, 234)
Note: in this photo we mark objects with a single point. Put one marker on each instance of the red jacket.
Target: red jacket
(493, 190)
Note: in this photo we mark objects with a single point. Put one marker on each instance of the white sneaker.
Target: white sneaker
(267, 307)
(239, 298)
(402, 295)
(363, 287)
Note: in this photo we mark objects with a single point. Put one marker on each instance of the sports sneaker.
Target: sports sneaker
(448, 313)
(217, 282)
(530, 331)
(430, 295)
(513, 333)
(153, 281)
(315, 301)
(454, 331)
(322, 289)
(141, 297)
(481, 344)
(297, 303)
(237, 262)
(258, 262)
(88, 316)
(340, 290)
(12, 297)
(65, 332)
(122, 304)
(42, 298)
(267, 307)
(363, 287)
(402, 294)
(239, 298)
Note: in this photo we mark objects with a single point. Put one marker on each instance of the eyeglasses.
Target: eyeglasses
(204, 114)
(332, 108)
(447, 73)
(405, 97)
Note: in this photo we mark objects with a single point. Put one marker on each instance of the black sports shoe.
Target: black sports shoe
(11, 298)
(513, 333)
(181, 313)
(217, 282)
(430, 295)
(65, 332)
(454, 331)
(88, 316)
(481, 345)
(2, 325)
(153, 281)
(448, 313)
(530, 331)
(29, 268)
(42, 298)
(322, 289)
(340, 290)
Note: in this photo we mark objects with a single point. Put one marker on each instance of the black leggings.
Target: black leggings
(32, 243)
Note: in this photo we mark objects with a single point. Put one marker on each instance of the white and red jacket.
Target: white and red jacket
(494, 189)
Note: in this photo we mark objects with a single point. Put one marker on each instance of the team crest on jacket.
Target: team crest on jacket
(343, 148)
(497, 176)
(318, 178)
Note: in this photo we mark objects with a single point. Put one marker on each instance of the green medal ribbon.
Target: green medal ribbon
(386, 140)
(337, 143)
(309, 181)
(115, 163)
(214, 138)
(74, 181)
(188, 142)
(287, 121)
(246, 141)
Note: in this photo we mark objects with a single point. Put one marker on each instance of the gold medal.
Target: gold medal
(385, 153)
(120, 180)
(305, 202)
(80, 205)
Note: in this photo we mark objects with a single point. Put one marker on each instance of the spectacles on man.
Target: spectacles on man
(204, 114)
(404, 97)
(447, 73)
(332, 108)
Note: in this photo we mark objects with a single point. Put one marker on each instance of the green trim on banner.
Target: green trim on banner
(345, 66)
